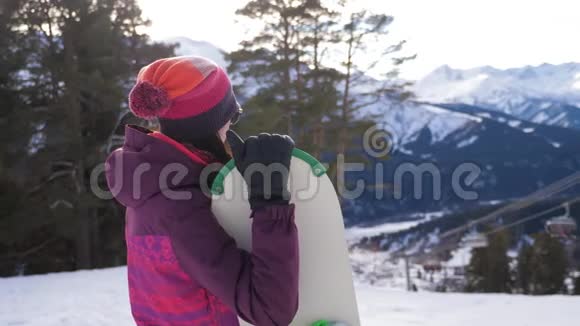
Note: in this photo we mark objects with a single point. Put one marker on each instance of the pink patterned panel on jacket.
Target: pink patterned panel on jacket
(161, 293)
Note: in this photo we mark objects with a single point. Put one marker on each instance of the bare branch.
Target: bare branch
(53, 176)
(30, 251)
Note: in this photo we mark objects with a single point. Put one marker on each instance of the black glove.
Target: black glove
(261, 160)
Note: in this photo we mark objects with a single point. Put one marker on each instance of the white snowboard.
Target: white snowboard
(326, 288)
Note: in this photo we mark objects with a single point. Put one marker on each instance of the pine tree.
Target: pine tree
(80, 57)
(488, 269)
(524, 269)
(271, 61)
(577, 285)
(288, 85)
(477, 271)
(549, 265)
(289, 77)
(319, 83)
(362, 32)
(307, 73)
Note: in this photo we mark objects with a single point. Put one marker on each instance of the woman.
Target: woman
(183, 268)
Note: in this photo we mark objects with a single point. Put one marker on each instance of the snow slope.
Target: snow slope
(355, 233)
(87, 298)
(382, 307)
(99, 298)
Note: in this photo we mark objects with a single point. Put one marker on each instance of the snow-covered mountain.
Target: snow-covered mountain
(406, 122)
(545, 94)
(520, 126)
(187, 46)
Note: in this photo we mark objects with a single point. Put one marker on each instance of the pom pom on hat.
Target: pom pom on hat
(148, 101)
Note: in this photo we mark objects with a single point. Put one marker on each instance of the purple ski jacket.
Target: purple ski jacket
(183, 268)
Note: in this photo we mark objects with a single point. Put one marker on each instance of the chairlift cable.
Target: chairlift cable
(529, 218)
(552, 189)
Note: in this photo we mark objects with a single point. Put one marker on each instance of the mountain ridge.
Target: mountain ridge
(547, 94)
(520, 142)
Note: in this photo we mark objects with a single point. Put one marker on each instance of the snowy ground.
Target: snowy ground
(354, 234)
(96, 298)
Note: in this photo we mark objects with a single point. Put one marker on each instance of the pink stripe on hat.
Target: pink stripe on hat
(200, 99)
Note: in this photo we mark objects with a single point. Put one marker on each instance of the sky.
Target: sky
(460, 33)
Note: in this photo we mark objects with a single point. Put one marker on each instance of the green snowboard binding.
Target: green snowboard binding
(324, 322)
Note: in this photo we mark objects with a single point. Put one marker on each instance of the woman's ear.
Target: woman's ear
(223, 131)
